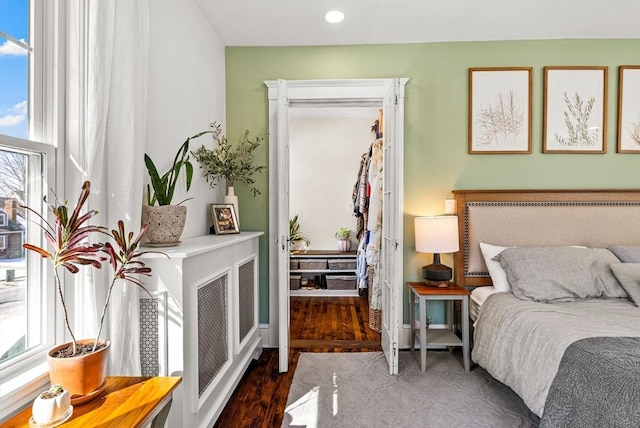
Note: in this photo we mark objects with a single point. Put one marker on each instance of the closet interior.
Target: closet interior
(335, 158)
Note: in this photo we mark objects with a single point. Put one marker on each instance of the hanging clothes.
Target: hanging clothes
(374, 223)
(360, 196)
(367, 207)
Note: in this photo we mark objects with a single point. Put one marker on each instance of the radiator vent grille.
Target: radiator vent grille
(213, 352)
(149, 348)
(246, 298)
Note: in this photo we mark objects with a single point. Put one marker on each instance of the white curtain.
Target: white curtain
(106, 106)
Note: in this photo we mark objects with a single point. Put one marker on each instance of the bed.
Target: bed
(556, 274)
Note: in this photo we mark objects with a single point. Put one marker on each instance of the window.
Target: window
(27, 165)
(15, 55)
(3, 242)
(3, 219)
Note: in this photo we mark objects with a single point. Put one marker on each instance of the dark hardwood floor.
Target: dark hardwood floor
(318, 324)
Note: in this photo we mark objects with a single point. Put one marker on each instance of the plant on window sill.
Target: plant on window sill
(70, 249)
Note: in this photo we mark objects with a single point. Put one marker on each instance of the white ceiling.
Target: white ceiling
(301, 23)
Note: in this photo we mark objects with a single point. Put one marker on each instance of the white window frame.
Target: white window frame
(3, 219)
(22, 378)
(3, 241)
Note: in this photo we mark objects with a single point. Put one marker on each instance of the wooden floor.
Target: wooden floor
(318, 324)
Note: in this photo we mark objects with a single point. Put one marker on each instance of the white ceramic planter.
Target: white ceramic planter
(46, 411)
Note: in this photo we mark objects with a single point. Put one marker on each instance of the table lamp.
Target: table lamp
(437, 234)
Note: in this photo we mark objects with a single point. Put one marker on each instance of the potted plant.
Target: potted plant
(79, 365)
(52, 406)
(166, 221)
(234, 163)
(295, 236)
(344, 242)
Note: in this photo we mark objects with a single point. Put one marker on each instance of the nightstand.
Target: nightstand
(439, 337)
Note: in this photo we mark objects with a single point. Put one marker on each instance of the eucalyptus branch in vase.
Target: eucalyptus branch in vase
(234, 162)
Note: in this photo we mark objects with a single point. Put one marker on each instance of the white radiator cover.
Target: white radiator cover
(207, 329)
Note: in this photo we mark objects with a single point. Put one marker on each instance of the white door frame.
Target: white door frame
(281, 94)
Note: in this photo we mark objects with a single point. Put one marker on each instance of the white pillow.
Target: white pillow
(498, 276)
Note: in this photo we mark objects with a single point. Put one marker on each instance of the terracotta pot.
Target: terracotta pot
(166, 223)
(80, 375)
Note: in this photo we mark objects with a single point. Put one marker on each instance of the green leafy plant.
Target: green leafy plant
(68, 239)
(343, 233)
(295, 235)
(164, 186)
(233, 162)
(52, 392)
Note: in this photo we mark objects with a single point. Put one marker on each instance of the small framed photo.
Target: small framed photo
(224, 219)
(575, 110)
(629, 109)
(500, 110)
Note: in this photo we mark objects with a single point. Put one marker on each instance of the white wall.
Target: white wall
(325, 155)
(186, 93)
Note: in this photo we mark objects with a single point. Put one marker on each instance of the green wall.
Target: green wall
(436, 159)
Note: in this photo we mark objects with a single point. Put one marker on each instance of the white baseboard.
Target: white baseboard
(269, 335)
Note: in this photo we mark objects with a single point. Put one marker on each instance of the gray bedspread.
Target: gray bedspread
(521, 343)
(600, 370)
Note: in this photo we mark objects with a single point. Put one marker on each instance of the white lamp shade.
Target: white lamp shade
(438, 234)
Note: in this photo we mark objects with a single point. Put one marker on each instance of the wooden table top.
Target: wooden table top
(431, 290)
(126, 402)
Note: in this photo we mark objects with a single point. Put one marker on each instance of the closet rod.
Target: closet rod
(325, 102)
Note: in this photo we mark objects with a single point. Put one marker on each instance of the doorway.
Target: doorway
(282, 95)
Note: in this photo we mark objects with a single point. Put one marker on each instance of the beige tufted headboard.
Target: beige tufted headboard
(593, 218)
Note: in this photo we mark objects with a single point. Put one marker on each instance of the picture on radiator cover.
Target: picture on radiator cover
(225, 220)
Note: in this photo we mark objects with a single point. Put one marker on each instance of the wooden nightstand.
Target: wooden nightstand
(439, 337)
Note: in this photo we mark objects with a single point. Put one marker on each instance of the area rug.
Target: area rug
(355, 390)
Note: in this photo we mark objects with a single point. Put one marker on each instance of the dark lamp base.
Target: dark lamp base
(436, 272)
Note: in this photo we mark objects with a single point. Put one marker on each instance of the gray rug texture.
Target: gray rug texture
(355, 390)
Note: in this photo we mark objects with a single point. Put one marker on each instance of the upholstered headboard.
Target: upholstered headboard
(593, 218)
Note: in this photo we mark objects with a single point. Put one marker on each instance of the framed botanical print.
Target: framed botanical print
(500, 110)
(575, 110)
(629, 109)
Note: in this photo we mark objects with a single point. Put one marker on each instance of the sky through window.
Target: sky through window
(14, 68)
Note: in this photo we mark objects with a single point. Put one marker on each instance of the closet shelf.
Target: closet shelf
(312, 254)
(339, 281)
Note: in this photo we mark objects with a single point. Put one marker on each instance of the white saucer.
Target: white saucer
(60, 421)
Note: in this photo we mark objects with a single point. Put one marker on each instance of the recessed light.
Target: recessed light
(334, 16)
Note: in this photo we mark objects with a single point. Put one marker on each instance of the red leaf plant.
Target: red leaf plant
(68, 239)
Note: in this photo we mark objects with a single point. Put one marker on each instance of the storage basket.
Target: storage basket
(293, 264)
(375, 315)
(341, 282)
(310, 264)
(294, 282)
(338, 264)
